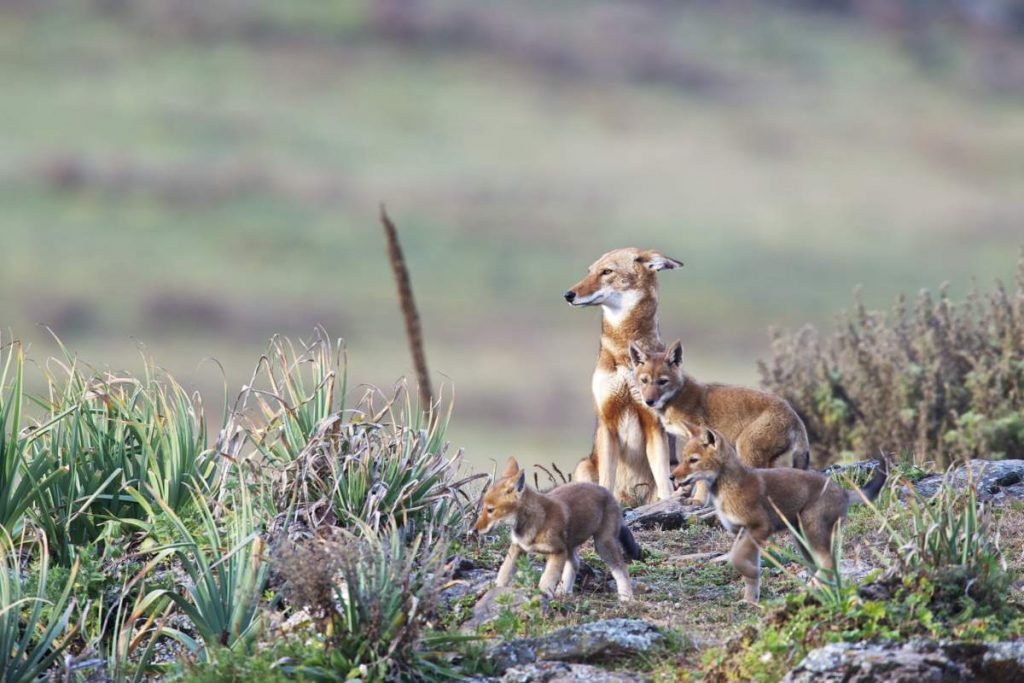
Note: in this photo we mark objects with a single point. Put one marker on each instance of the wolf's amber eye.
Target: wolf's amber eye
(490, 510)
(694, 460)
(606, 271)
(644, 380)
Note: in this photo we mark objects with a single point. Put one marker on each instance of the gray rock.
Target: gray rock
(995, 480)
(491, 604)
(471, 582)
(1003, 662)
(671, 513)
(864, 663)
(918, 661)
(564, 672)
(583, 643)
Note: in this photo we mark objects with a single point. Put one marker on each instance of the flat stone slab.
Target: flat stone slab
(995, 480)
(597, 640)
(918, 661)
(565, 672)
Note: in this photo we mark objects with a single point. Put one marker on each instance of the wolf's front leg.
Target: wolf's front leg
(746, 557)
(508, 567)
(552, 573)
(572, 566)
(607, 445)
(657, 458)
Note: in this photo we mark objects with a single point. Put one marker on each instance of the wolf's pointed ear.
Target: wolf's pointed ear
(511, 467)
(636, 355)
(709, 438)
(692, 427)
(655, 261)
(675, 354)
(521, 481)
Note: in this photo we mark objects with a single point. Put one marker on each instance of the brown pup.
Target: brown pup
(555, 524)
(759, 503)
(765, 428)
(630, 455)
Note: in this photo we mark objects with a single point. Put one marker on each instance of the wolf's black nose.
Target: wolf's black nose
(569, 296)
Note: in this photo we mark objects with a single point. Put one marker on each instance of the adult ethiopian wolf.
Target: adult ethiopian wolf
(630, 455)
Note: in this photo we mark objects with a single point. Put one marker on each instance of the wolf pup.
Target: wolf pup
(630, 455)
(761, 502)
(766, 430)
(555, 524)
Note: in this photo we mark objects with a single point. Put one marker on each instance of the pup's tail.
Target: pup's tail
(874, 487)
(629, 544)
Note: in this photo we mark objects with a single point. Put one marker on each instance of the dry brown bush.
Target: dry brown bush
(940, 380)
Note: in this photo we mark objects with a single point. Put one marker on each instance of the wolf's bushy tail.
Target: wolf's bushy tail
(629, 544)
(874, 487)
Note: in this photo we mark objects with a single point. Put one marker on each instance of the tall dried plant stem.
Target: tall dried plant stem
(413, 329)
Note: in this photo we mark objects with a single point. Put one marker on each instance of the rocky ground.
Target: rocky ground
(687, 604)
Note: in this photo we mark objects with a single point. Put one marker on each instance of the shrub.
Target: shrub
(943, 380)
(374, 596)
(381, 474)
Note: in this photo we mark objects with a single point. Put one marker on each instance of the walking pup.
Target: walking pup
(759, 503)
(555, 524)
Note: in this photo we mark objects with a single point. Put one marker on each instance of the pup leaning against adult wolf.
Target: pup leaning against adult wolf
(630, 455)
(763, 501)
(766, 430)
(555, 524)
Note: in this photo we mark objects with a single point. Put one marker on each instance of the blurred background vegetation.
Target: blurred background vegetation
(190, 177)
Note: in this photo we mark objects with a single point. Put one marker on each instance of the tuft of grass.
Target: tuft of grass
(34, 632)
(227, 574)
(376, 618)
(107, 434)
(23, 478)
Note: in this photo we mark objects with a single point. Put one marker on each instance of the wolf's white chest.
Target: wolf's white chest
(730, 522)
(607, 385)
(520, 541)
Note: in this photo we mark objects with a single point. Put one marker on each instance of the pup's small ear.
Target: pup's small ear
(511, 467)
(675, 354)
(655, 261)
(692, 427)
(709, 438)
(521, 481)
(636, 355)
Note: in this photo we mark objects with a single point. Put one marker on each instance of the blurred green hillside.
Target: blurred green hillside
(196, 176)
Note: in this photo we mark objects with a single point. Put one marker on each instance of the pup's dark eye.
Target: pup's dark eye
(490, 511)
(606, 271)
(662, 382)
(694, 461)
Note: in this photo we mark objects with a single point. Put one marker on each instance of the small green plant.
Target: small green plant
(228, 574)
(302, 390)
(108, 434)
(381, 473)
(383, 592)
(22, 477)
(34, 632)
(949, 541)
